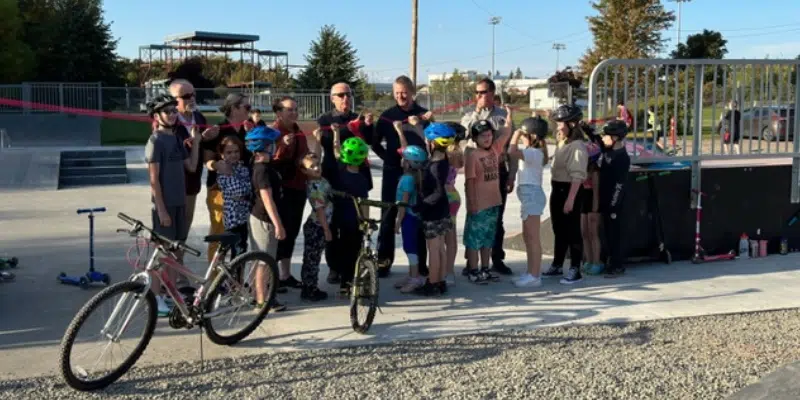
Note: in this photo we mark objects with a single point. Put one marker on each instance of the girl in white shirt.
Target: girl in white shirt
(532, 159)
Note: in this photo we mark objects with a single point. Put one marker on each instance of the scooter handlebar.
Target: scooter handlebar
(91, 210)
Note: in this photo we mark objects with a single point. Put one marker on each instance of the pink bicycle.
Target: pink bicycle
(227, 291)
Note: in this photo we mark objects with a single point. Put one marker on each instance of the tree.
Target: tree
(567, 78)
(518, 74)
(16, 59)
(192, 70)
(511, 74)
(626, 29)
(705, 45)
(331, 59)
(71, 41)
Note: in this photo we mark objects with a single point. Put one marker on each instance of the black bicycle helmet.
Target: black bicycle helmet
(616, 128)
(461, 132)
(479, 127)
(536, 126)
(567, 113)
(160, 102)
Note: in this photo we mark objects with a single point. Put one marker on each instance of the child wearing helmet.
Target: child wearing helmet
(347, 237)
(568, 172)
(615, 163)
(167, 163)
(414, 159)
(433, 207)
(266, 228)
(455, 156)
(590, 217)
(482, 175)
(531, 161)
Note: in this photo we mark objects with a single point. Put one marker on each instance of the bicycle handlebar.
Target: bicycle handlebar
(138, 225)
(369, 202)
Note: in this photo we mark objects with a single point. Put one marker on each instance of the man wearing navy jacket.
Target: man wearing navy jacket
(403, 90)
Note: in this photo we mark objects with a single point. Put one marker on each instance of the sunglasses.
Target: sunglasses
(343, 95)
(247, 107)
(187, 96)
(169, 110)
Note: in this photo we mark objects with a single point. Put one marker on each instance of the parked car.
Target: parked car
(770, 123)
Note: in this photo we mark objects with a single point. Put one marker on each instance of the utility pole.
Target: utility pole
(558, 47)
(493, 22)
(413, 69)
(680, 8)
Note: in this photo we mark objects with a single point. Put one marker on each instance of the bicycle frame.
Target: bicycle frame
(160, 262)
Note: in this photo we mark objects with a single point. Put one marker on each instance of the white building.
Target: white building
(540, 99)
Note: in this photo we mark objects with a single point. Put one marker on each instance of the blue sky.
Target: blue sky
(452, 33)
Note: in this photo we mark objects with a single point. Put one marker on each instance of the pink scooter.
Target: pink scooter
(700, 255)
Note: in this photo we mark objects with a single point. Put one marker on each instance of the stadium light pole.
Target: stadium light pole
(558, 47)
(680, 8)
(493, 22)
(413, 68)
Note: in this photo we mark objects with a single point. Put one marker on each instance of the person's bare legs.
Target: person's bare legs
(261, 283)
(472, 259)
(486, 255)
(436, 259)
(191, 202)
(533, 244)
(285, 268)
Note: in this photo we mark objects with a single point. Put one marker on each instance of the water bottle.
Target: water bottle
(744, 246)
(754, 248)
(784, 246)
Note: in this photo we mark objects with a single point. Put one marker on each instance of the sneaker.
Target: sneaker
(595, 269)
(402, 282)
(163, 307)
(573, 276)
(312, 294)
(450, 279)
(428, 289)
(333, 277)
(442, 287)
(553, 271)
(501, 268)
(465, 271)
(527, 280)
(475, 276)
(615, 272)
(277, 306)
(412, 284)
(290, 282)
(486, 272)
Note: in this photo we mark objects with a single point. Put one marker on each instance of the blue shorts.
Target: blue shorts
(410, 232)
(532, 200)
(480, 229)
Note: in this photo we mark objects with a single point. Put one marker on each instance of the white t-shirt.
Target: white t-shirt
(530, 167)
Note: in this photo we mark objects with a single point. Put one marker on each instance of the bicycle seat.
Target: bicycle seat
(226, 238)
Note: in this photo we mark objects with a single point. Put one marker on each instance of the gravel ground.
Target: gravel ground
(693, 358)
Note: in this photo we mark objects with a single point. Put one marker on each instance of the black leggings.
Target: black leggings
(290, 209)
(612, 231)
(566, 227)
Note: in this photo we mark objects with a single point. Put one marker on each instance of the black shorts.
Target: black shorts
(178, 230)
(586, 202)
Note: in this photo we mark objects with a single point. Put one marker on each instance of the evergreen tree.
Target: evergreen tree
(16, 58)
(330, 59)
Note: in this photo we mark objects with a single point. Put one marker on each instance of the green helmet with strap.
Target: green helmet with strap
(354, 151)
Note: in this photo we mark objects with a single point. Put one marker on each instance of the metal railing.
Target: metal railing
(51, 97)
(690, 111)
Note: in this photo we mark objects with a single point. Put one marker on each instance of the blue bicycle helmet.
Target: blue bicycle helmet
(415, 155)
(260, 137)
(441, 134)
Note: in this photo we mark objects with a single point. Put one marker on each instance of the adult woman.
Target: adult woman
(568, 172)
(730, 127)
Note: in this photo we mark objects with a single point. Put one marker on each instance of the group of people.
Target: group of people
(260, 176)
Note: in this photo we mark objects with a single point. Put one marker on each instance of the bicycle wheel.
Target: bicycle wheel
(109, 328)
(364, 294)
(234, 298)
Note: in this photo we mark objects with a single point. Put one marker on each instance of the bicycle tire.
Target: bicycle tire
(76, 323)
(235, 268)
(365, 276)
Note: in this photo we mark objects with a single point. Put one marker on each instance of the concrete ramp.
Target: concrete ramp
(29, 169)
(50, 130)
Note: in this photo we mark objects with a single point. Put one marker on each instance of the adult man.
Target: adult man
(345, 118)
(486, 109)
(403, 90)
(184, 93)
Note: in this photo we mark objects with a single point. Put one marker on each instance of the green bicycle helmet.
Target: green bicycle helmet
(354, 151)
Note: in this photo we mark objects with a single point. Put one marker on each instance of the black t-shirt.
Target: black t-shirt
(385, 131)
(432, 204)
(213, 145)
(264, 177)
(354, 184)
(193, 179)
(330, 169)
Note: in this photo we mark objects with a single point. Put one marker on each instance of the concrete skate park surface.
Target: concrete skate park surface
(41, 228)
